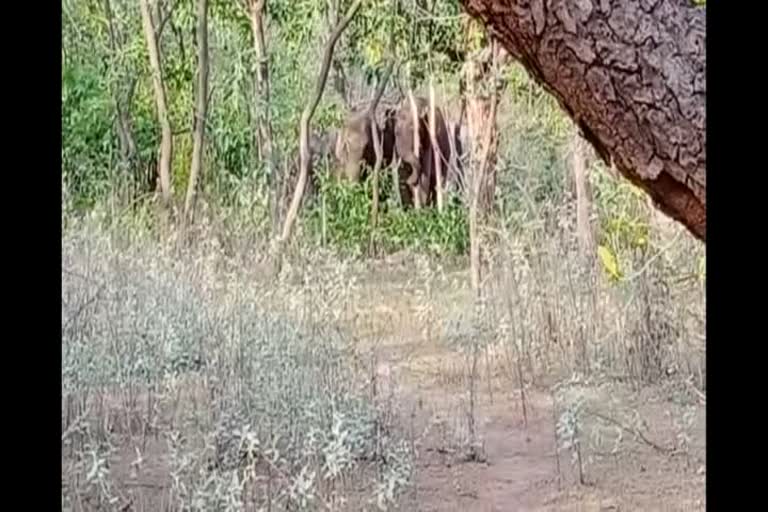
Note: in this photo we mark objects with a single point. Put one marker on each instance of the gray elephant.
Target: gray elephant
(420, 167)
(321, 151)
(354, 149)
(355, 154)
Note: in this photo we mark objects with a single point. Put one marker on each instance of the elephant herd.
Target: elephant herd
(406, 146)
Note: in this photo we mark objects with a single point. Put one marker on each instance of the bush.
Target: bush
(348, 220)
(261, 399)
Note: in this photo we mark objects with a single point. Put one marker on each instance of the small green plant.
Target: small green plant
(343, 216)
(569, 435)
(428, 230)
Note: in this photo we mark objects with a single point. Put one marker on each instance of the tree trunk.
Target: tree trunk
(481, 117)
(166, 140)
(198, 137)
(479, 76)
(416, 189)
(438, 157)
(378, 147)
(264, 132)
(375, 178)
(306, 118)
(583, 201)
(121, 93)
(339, 77)
(122, 88)
(632, 76)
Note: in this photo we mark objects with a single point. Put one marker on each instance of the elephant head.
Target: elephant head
(321, 151)
(354, 149)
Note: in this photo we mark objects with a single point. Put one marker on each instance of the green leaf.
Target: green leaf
(609, 261)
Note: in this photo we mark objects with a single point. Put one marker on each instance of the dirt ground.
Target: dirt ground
(517, 468)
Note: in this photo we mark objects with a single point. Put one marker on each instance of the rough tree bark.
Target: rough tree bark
(632, 77)
(166, 140)
(201, 110)
(306, 118)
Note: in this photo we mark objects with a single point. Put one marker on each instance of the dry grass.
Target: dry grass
(193, 382)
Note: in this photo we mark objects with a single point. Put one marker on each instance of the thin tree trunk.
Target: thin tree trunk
(416, 189)
(377, 146)
(161, 104)
(121, 95)
(376, 167)
(632, 75)
(201, 114)
(480, 73)
(438, 157)
(583, 201)
(306, 118)
(339, 78)
(481, 114)
(257, 10)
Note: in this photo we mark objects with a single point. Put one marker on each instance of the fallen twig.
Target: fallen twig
(635, 432)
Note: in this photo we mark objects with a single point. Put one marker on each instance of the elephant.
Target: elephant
(321, 148)
(420, 166)
(354, 147)
(354, 151)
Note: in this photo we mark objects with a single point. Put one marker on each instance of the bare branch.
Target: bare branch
(629, 430)
(306, 117)
(379, 151)
(201, 110)
(438, 157)
(164, 20)
(381, 88)
(261, 83)
(166, 142)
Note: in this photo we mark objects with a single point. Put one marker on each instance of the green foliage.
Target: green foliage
(348, 221)
(428, 230)
(86, 133)
(534, 133)
(347, 215)
(610, 263)
(624, 223)
(97, 70)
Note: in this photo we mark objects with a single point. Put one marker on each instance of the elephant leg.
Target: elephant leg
(395, 167)
(413, 179)
(428, 180)
(417, 199)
